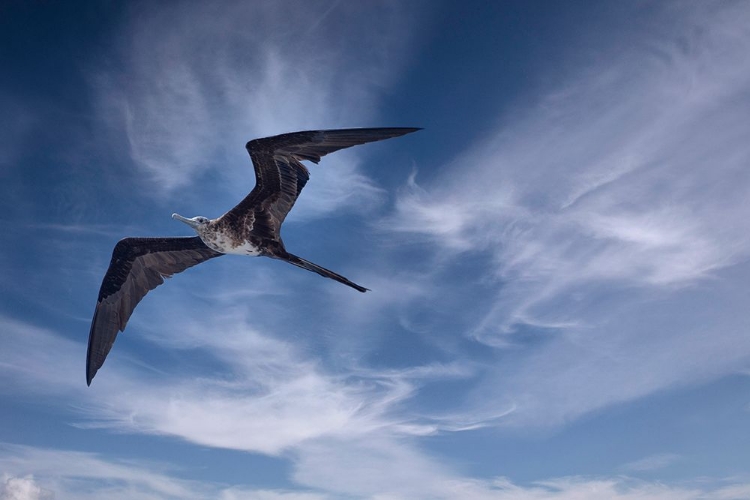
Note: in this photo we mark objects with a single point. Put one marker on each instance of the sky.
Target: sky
(558, 261)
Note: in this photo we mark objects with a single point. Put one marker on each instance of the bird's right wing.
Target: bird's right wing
(280, 176)
(138, 265)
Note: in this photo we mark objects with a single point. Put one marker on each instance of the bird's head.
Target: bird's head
(198, 223)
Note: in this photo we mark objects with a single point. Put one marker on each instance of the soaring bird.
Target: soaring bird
(252, 228)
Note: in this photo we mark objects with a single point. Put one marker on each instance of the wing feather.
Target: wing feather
(280, 176)
(138, 266)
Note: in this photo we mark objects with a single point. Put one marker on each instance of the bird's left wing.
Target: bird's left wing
(138, 265)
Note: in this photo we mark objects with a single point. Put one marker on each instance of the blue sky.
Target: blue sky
(558, 261)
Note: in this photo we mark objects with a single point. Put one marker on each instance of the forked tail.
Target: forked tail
(304, 264)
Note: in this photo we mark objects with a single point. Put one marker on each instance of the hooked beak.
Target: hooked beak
(189, 222)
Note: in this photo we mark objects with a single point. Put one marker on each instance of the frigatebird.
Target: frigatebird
(252, 228)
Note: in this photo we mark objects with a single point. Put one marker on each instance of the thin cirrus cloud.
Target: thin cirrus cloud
(613, 214)
(652, 462)
(336, 430)
(260, 383)
(63, 475)
(269, 398)
(36, 359)
(195, 93)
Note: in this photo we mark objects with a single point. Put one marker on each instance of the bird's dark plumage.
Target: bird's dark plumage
(280, 176)
(138, 266)
(252, 227)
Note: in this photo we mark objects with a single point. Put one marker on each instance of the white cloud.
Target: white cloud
(35, 358)
(652, 462)
(250, 494)
(625, 174)
(378, 469)
(268, 397)
(21, 488)
(74, 475)
(344, 434)
(614, 215)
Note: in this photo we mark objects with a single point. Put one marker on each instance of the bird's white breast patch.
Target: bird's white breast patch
(222, 243)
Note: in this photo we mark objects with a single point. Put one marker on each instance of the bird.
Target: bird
(251, 228)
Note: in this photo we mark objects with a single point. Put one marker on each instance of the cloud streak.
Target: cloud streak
(652, 462)
(620, 195)
(64, 474)
(267, 397)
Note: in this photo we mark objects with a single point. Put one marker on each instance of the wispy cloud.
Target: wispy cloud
(22, 488)
(64, 474)
(360, 470)
(270, 398)
(608, 177)
(35, 357)
(652, 462)
(269, 395)
(344, 434)
(265, 395)
(611, 212)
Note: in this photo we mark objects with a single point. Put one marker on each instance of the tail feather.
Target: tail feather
(305, 264)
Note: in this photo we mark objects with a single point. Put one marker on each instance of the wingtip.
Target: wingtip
(390, 132)
(409, 130)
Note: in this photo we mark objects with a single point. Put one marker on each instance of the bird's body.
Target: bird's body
(221, 237)
(251, 228)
